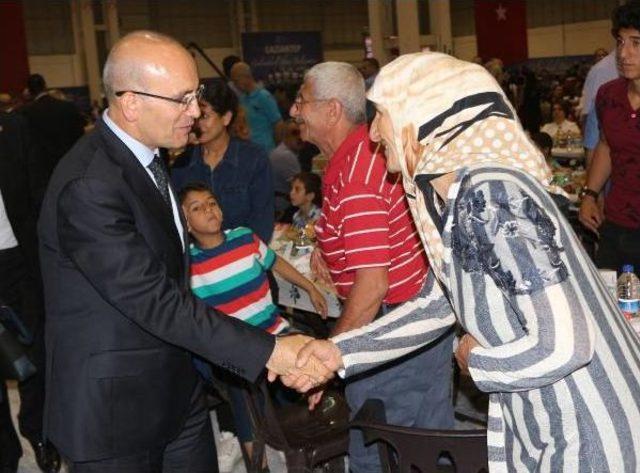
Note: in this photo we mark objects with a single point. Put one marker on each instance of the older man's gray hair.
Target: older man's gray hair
(343, 82)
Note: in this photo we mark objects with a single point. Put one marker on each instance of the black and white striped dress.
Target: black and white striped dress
(561, 363)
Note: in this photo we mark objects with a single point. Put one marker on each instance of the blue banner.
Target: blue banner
(281, 58)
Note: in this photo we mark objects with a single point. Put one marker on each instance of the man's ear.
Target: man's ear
(334, 112)
(131, 105)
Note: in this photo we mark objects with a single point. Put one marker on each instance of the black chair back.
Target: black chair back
(407, 449)
(307, 438)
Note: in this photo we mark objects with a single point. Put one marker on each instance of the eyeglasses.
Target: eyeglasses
(299, 101)
(185, 101)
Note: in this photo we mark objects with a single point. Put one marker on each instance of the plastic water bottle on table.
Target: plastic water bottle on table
(629, 292)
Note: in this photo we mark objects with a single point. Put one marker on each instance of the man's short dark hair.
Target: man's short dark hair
(542, 139)
(195, 186)
(227, 64)
(36, 84)
(626, 16)
(373, 61)
(220, 96)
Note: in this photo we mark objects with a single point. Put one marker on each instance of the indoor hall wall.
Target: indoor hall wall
(551, 41)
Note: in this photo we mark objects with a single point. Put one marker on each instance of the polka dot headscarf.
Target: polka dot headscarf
(460, 117)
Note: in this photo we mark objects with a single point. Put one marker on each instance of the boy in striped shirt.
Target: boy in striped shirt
(229, 272)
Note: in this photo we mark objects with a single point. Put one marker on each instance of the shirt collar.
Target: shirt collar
(359, 134)
(142, 152)
(230, 155)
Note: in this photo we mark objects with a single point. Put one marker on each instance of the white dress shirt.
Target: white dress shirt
(145, 156)
(7, 237)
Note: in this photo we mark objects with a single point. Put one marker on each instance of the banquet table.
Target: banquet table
(291, 295)
(576, 153)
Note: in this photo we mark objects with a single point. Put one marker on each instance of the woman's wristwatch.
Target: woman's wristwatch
(589, 192)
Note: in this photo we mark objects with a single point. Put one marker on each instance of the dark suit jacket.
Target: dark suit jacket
(22, 183)
(56, 125)
(120, 316)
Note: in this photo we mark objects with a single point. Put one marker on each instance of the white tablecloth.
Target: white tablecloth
(291, 295)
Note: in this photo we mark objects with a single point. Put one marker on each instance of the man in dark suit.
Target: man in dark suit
(123, 395)
(21, 189)
(55, 124)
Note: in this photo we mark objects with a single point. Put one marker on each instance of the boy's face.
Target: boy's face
(203, 214)
(298, 193)
(628, 53)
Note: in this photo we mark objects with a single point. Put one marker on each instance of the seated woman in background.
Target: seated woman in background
(236, 170)
(560, 125)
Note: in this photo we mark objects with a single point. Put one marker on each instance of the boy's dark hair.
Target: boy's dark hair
(221, 98)
(626, 16)
(542, 139)
(227, 64)
(36, 84)
(374, 62)
(196, 186)
(312, 183)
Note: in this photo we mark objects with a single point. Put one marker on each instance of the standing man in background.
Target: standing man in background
(265, 121)
(22, 183)
(617, 154)
(55, 124)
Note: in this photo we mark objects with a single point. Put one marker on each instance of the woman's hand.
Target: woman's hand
(467, 343)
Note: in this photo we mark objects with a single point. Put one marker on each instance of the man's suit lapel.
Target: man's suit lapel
(140, 182)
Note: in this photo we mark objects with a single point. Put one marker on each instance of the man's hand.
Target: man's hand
(467, 343)
(323, 350)
(591, 215)
(283, 362)
(319, 268)
(316, 351)
(318, 301)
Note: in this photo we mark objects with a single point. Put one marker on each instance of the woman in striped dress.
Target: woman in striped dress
(544, 337)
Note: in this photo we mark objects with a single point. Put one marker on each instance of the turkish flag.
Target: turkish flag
(13, 47)
(501, 30)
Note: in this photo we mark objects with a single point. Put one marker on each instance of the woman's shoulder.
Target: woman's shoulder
(503, 180)
(248, 148)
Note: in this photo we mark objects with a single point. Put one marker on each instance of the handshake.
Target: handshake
(303, 363)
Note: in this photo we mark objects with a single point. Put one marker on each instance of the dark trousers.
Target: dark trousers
(21, 290)
(192, 451)
(415, 390)
(617, 246)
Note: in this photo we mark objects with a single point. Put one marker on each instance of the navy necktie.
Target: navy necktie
(162, 180)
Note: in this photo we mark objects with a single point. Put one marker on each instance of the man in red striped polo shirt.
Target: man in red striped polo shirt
(370, 250)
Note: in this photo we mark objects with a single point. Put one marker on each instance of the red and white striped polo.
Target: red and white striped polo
(366, 222)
